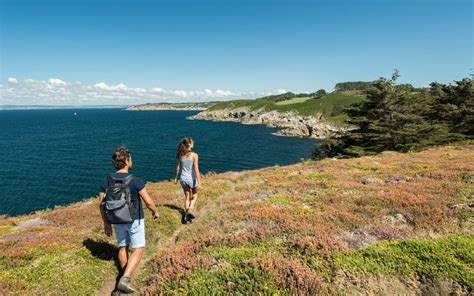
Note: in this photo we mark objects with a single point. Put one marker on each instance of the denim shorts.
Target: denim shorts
(131, 233)
(186, 183)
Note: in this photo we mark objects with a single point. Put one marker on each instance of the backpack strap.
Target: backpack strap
(127, 180)
(110, 180)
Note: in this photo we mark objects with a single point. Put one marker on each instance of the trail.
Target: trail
(108, 287)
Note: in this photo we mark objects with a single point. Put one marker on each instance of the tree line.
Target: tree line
(397, 117)
(289, 95)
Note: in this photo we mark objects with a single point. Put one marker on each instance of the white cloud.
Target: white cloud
(180, 93)
(105, 86)
(56, 81)
(12, 80)
(55, 91)
(281, 91)
(224, 93)
(157, 90)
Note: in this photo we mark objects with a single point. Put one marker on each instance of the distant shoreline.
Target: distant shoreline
(169, 106)
(58, 107)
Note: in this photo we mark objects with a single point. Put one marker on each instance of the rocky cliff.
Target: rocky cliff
(289, 123)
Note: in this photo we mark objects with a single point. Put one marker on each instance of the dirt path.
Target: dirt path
(108, 287)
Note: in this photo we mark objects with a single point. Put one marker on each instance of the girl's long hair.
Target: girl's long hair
(183, 147)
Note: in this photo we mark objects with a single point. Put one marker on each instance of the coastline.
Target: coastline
(289, 151)
(166, 106)
(289, 124)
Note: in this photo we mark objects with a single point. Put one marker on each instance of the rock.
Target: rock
(220, 264)
(231, 286)
(369, 180)
(440, 286)
(86, 204)
(38, 221)
(362, 237)
(396, 220)
(464, 206)
(291, 124)
(264, 193)
(398, 179)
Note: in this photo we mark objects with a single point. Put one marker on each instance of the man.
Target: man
(130, 233)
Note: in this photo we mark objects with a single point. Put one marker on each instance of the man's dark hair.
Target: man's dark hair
(120, 155)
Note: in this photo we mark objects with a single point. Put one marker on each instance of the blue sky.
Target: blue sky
(103, 52)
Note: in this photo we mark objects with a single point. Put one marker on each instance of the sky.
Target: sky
(106, 52)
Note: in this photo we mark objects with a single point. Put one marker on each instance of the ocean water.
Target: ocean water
(53, 157)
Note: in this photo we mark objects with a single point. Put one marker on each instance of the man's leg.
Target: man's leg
(121, 233)
(133, 261)
(137, 240)
(123, 257)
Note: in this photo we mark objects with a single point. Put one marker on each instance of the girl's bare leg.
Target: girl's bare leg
(187, 199)
(194, 196)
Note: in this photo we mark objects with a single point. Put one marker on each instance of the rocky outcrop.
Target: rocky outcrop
(290, 123)
(155, 107)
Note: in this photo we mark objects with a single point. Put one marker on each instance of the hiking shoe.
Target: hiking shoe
(186, 216)
(124, 285)
(189, 216)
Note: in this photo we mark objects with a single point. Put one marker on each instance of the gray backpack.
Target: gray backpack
(118, 206)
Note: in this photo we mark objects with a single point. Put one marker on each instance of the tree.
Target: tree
(394, 118)
(318, 94)
(353, 85)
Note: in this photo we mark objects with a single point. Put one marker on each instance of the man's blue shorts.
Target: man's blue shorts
(131, 233)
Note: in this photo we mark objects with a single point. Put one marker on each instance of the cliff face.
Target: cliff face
(290, 123)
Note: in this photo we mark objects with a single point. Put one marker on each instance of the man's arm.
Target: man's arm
(150, 204)
(107, 226)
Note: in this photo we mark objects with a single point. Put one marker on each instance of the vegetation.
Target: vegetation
(283, 97)
(318, 94)
(330, 106)
(391, 223)
(393, 117)
(446, 257)
(322, 226)
(353, 85)
(293, 101)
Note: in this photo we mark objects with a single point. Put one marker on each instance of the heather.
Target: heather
(383, 224)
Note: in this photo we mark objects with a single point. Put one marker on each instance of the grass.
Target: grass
(239, 280)
(52, 271)
(329, 106)
(309, 228)
(292, 101)
(447, 257)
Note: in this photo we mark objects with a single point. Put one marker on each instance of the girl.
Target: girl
(187, 169)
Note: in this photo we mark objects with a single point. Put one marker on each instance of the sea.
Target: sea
(51, 157)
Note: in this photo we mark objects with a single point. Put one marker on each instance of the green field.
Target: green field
(329, 106)
(293, 101)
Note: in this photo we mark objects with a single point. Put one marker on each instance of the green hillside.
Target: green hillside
(329, 106)
(391, 224)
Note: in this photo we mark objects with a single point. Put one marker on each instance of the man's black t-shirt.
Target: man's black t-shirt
(136, 185)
